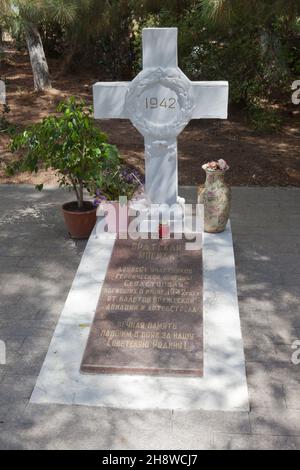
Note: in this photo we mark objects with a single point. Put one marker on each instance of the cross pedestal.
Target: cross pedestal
(160, 102)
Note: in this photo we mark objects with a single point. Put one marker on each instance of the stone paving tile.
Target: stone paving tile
(268, 344)
(264, 392)
(3, 415)
(48, 319)
(23, 328)
(15, 388)
(22, 384)
(256, 334)
(288, 323)
(63, 427)
(13, 411)
(8, 300)
(244, 226)
(284, 353)
(12, 346)
(9, 252)
(289, 268)
(8, 264)
(253, 319)
(2, 372)
(265, 268)
(28, 362)
(253, 289)
(274, 372)
(27, 366)
(178, 440)
(276, 305)
(264, 351)
(260, 303)
(265, 247)
(145, 419)
(256, 278)
(74, 437)
(59, 427)
(275, 422)
(35, 344)
(25, 287)
(282, 331)
(253, 442)
(290, 292)
(60, 263)
(202, 421)
(19, 313)
(292, 396)
(266, 228)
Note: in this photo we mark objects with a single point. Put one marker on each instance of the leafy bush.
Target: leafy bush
(5, 125)
(70, 144)
(264, 119)
(257, 53)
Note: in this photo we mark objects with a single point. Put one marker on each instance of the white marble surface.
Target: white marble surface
(223, 386)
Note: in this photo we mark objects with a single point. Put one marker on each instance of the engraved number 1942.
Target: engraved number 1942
(167, 103)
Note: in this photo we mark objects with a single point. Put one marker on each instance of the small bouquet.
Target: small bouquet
(219, 165)
(122, 181)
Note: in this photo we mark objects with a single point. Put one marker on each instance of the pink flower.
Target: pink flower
(216, 165)
(222, 164)
(212, 165)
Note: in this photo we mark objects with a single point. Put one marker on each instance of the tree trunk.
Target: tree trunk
(72, 49)
(41, 76)
(272, 53)
(80, 191)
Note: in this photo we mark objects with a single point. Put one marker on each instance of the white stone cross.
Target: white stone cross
(160, 102)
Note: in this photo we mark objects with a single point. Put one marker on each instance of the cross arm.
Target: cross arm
(210, 99)
(159, 47)
(109, 99)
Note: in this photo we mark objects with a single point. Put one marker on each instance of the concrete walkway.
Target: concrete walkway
(37, 265)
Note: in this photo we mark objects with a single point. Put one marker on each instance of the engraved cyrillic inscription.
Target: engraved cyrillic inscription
(149, 316)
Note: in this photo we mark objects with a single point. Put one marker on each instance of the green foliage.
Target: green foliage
(5, 125)
(68, 143)
(253, 45)
(264, 119)
(116, 182)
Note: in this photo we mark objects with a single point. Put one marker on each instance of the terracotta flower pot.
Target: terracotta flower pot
(80, 223)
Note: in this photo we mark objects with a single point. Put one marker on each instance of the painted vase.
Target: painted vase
(216, 198)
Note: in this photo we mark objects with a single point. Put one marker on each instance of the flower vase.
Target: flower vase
(216, 198)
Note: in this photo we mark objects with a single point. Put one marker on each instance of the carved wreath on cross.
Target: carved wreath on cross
(175, 81)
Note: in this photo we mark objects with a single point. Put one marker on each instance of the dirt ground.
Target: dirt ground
(254, 159)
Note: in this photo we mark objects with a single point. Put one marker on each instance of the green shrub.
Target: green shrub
(264, 120)
(68, 143)
(259, 60)
(5, 125)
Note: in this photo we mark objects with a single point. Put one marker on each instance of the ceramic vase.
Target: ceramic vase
(216, 198)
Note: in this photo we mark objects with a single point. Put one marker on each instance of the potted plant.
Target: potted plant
(70, 144)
